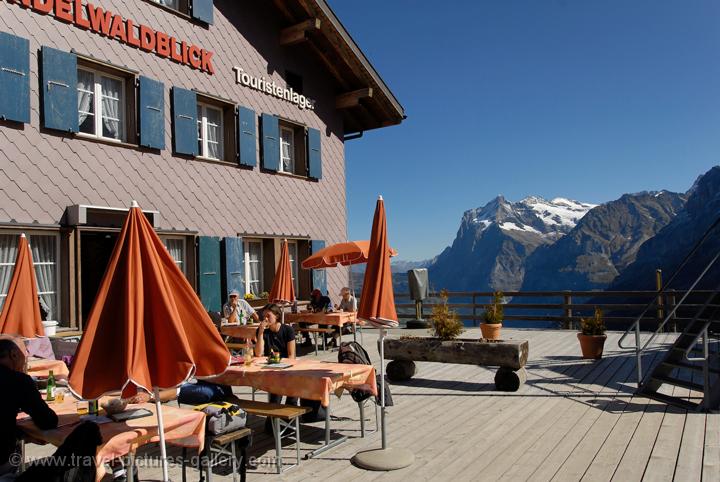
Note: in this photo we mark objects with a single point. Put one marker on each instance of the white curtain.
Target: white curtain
(213, 133)
(254, 266)
(111, 94)
(85, 88)
(168, 3)
(43, 253)
(8, 252)
(286, 141)
(293, 252)
(176, 248)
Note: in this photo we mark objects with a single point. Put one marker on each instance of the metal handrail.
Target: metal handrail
(706, 354)
(635, 327)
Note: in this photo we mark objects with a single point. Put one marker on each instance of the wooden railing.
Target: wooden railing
(562, 309)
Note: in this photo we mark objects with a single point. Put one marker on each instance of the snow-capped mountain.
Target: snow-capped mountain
(494, 240)
(533, 214)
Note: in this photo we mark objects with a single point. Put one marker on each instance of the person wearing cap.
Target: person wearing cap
(347, 301)
(236, 308)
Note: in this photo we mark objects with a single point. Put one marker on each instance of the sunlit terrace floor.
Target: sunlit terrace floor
(573, 420)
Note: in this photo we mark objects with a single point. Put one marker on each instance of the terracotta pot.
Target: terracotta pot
(490, 331)
(592, 345)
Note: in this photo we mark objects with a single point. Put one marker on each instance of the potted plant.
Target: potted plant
(493, 317)
(257, 301)
(445, 323)
(592, 335)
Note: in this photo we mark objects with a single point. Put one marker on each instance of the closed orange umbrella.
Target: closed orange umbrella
(377, 304)
(21, 312)
(341, 254)
(147, 327)
(283, 289)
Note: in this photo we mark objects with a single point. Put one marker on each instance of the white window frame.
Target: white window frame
(202, 121)
(97, 100)
(58, 288)
(283, 132)
(261, 261)
(183, 263)
(294, 268)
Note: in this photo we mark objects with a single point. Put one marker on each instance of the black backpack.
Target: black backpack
(353, 352)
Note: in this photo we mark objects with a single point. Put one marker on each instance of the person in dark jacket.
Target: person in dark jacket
(19, 393)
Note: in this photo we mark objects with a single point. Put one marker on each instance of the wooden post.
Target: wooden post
(567, 311)
(658, 286)
(474, 312)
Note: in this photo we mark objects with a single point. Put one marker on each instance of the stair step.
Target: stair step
(678, 383)
(678, 402)
(688, 366)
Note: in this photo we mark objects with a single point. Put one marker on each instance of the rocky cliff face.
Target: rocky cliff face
(667, 249)
(602, 244)
(494, 242)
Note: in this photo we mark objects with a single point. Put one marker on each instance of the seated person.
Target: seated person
(274, 335)
(73, 460)
(347, 301)
(237, 308)
(19, 394)
(319, 303)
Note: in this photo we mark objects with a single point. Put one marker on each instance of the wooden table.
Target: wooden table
(246, 332)
(336, 318)
(308, 379)
(184, 428)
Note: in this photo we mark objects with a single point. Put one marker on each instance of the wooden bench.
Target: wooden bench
(236, 346)
(283, 417)
(315, 332)
(221, 447)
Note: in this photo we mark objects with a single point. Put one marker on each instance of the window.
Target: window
(293, 252)
(176, 248)
(44, 248)
(179, 5)
(210, 132)
(287, 150)
(101, 105)
(253, 267)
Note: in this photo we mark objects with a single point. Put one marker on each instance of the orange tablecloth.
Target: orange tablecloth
(184, 428)
(240, 331)
(309, 379)
(38, 367)
(337, 318)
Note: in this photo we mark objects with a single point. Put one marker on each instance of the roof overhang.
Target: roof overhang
(363, 97)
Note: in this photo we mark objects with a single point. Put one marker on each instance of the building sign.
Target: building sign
(271, 88)
(106, 23)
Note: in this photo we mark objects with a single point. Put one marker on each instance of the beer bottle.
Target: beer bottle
(50, 392)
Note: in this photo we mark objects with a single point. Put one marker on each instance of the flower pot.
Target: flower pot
(50, 327)
(490, 331)
(592, 345)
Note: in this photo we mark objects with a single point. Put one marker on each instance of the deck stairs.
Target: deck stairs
(688, 376)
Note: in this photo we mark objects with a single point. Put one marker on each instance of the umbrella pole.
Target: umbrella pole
(385, 458)
(161, 432)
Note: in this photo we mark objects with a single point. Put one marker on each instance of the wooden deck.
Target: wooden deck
(573, 420)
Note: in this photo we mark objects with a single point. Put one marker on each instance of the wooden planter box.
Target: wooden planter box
(509, 355)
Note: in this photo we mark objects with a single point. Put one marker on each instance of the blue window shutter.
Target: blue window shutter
(203, 10)
(152, 113)
(270, 144)
(246, 137)
(209, 272)
(234, 265)
(59, 90)
(14, 78)
(314, 154)
(319, 276)
(185, 134)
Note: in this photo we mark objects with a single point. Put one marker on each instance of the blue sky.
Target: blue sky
(585, 99)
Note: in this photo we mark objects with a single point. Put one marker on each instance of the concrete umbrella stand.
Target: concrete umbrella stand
(385, 458)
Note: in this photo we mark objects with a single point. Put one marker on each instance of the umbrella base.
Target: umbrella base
(411, 324)
(384, 459)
